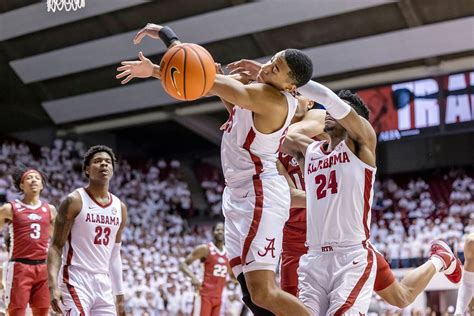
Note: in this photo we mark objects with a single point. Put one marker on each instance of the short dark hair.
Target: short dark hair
(94, 150)
(356, 102)
(19, 171)
(301, 66)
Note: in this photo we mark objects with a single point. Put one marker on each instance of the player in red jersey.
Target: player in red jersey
(216, 266)
(30, 226)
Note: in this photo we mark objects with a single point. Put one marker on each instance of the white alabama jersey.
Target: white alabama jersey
(92, 235)
(339, 193)
(245, 152)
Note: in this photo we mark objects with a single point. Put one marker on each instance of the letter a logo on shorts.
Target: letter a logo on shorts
(269, 247)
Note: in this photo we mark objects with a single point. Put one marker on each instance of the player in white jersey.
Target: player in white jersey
(256, 199)
(88, 234)
(337, 275)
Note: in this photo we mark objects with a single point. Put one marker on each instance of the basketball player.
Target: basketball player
(209, 291)
(466, 290)
(256, 199)
(30, 225)
(340, 173)
(400, 294)
(89, 226)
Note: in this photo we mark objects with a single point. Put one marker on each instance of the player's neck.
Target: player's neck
(98, 190)
(334, 140)
(31, 199)
(219, 244)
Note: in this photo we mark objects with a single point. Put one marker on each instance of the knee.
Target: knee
(261, 294)
(469, 247)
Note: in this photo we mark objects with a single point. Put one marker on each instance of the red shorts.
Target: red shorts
(206, 306)
(290, 261)
(384, 277)
(25, 284)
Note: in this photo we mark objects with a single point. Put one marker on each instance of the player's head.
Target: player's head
(287, 70)
(99, 163)
(353, 99)
(218, 231)
(29, 180)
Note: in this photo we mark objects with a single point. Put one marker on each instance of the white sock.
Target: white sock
(437, 262)
(465, 293)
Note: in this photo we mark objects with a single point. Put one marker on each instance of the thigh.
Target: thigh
(40, 291)
(288, 272)
(311, 281)
(104, 302)
(353, 283)
(216, 306)
(19, 282)
(262, 243)
(77, 292)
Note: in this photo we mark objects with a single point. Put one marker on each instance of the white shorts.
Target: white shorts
(255, 214)
(86, 293)
(338, 281)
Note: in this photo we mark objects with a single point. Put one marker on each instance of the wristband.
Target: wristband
(167, 35)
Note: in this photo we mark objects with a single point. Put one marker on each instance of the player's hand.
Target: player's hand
(152, 30)
(197, 285)
(120, 305)
(246, 67)
(56, 300)
(142, 68)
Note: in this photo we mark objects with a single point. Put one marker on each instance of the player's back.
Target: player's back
(29, 231)
(215, 271)
(92, 235)
(339, 196)
(245, 152)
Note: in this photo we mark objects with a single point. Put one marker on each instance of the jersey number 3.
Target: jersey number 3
(102, 236)
(36, 233)
(321, 182)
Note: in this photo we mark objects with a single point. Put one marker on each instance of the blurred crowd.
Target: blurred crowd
(407, 215)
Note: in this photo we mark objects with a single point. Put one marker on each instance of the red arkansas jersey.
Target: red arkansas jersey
(29, 231)
(215, 271)
(295, 227)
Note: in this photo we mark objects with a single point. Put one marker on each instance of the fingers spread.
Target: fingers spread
(126, 80)
(123, 74)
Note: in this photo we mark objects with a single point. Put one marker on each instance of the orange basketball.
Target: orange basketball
(187, 71)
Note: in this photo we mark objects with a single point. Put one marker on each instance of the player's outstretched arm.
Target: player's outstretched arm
(6, 213)
(141, 68)
(199, 253)
(311, 125)
(295, 145)
(298, 197)
(155, 31)
(245, 67)
(115, 266)
(258, 98)
(357, 127)
(68, 210)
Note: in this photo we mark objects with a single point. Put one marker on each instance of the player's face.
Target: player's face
(100, 167)
(32, 184)
(331, 125)
(276, 73)
(219, 232)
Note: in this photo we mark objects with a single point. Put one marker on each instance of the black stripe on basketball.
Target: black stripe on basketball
(203, 68)
(184, 71)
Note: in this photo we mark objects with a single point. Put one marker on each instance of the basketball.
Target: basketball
(187, 71)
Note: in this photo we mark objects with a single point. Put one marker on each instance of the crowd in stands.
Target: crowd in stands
(157, 236)
(407, 215)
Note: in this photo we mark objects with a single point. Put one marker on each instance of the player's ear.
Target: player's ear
(86, 171)
(21, 187)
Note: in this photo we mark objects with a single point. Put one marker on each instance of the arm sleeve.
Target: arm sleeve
(115, 270)
(335, 106)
